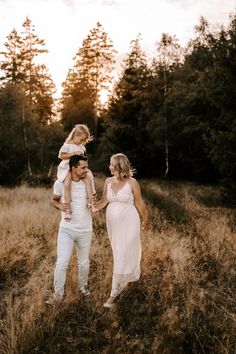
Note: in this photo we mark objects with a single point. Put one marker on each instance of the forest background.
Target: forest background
(173, 115)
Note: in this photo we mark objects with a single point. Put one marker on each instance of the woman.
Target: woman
(122, 193)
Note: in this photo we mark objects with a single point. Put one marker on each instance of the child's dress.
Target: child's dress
(63, 167)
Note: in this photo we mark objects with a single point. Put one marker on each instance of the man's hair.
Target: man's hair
(75, 160)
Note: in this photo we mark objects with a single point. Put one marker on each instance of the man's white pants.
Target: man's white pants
(65, 242)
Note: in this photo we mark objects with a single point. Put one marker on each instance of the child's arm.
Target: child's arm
(67, 155)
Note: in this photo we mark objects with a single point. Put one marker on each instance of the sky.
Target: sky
(64, 24)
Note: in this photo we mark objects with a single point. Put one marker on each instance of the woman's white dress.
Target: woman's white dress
(123, 226)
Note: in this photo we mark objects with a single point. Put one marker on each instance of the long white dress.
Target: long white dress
(123, 226)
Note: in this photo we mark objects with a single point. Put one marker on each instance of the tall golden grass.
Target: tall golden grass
(185, 301)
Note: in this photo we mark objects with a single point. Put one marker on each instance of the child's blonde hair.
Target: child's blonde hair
(80, 129)
(123, 168)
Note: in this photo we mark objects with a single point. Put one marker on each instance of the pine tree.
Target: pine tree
(19, 66)
(92, 70)
(12, 66)
(34, 84)
(125, 129)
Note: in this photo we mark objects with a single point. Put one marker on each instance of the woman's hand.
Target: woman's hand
(145, 224)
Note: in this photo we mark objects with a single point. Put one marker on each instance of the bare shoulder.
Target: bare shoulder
(108, 180)
(133, 182)
(134, 185)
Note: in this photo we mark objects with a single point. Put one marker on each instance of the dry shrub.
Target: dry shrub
(183, 303)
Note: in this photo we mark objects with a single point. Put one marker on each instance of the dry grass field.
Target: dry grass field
(184, 303)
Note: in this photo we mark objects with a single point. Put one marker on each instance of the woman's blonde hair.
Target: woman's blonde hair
(123, 168)
(80, 129)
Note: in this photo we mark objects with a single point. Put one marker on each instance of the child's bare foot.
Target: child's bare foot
(68, 216)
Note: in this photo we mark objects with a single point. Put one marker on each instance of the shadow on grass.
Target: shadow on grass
(75, 328)
(208, 197)
(172, 209)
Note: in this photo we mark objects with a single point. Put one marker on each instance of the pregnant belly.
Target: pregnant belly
(121, 212)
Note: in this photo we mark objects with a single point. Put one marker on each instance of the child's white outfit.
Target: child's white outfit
(63, 167)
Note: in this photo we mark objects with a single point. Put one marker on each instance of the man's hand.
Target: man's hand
(56, 202)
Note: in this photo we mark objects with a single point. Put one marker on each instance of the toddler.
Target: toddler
(75, 145)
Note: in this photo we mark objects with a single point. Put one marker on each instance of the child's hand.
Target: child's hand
(63, 207)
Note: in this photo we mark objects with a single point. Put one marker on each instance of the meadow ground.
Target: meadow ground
(185, 301)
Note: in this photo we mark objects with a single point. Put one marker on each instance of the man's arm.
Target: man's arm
(56, 202)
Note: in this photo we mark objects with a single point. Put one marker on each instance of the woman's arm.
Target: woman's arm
(139, 202)
(103, 202)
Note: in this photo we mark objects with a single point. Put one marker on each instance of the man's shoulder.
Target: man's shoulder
(57, 183)
(58, 187)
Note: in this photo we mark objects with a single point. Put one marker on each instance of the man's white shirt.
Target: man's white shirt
(81, 216)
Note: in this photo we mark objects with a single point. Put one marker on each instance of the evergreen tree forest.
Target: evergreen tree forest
(173, 115)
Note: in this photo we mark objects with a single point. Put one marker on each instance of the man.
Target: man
(77, 231)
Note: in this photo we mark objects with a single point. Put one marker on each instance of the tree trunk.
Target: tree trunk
(165, 127)
(26, 142)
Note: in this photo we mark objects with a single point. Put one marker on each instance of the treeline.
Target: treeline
(28, 132)
(173, 115)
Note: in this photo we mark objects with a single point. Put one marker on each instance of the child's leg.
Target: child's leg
(67, 196)
(89, 188)
(90, 193)
(90, 176)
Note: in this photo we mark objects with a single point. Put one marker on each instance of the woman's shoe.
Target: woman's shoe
(109, 303)
(84, 290)
(54, 300)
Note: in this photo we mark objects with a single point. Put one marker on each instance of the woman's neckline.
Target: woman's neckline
(116, 190)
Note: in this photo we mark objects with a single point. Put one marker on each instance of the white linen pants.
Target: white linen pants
(65, 242)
